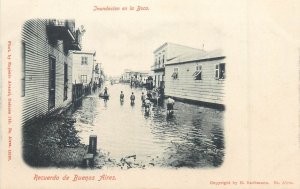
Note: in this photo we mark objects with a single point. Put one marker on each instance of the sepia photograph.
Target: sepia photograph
(149, 94)
(76, 113)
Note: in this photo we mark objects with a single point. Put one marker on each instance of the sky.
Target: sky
(127, 40)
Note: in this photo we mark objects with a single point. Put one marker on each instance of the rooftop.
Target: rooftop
(218, 53)
(84, 52)
(166, 43)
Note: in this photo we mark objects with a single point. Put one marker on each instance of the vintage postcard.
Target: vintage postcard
(150, 94)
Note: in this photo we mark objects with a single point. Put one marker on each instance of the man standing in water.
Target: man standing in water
(105, 91)
(170, 105)
(147, 105)
(122, 96)
(105, 95)
(132, 98)
(143, 98)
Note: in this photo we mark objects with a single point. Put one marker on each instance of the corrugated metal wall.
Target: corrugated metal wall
(37, 53)
(206, 90)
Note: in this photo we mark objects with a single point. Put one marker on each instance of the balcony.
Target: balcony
(61, 29)
(76, 44)
(158, 67)
(64, 30)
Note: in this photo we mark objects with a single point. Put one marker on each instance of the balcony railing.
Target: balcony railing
(61, 29)
(156, 67)
(76, 44)
(64, 30)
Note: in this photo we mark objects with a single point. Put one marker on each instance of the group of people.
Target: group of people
(132, 97)
(145, 101)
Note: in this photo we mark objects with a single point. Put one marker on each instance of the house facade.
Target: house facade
(164, 53)
(46, 65)
(84, 67)
(143, 76)
(126, 76)
(197, 77)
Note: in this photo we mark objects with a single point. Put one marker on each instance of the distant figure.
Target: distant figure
(143, 98)
(147, 104)
(149, 95)
(132, 98)
(94, 86)
(122, 96)
(170, 105)
(105, 91)
(105, 94)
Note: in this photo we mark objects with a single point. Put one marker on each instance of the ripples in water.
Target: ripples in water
(193, 137)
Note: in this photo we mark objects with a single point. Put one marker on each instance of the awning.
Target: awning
(174, 74)
(196, 73)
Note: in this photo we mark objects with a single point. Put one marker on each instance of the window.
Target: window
(52, 79)
(163, 59)
(84, 60)
(220, 71)
(175, 73)
(23, 69)
(65, 81)
(198, 73)
(83, 78)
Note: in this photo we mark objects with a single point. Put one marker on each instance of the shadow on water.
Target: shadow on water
(195, 134)
(192, 137)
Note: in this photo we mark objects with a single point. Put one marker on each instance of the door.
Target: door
(52, 78)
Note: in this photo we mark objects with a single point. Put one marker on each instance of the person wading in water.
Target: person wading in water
(147, 105)
(170, 106)
(122, 97)
(105, 94)
(143, 98)
(132, 98)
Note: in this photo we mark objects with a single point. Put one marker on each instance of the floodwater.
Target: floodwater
(193, 137)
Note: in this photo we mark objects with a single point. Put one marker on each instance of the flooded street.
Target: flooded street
(192, 137)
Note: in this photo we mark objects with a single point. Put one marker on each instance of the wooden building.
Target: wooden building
(164, 53)
(46, 66)
(83, 67)
(197, 77)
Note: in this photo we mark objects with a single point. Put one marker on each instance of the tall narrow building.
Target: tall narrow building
(46, 65)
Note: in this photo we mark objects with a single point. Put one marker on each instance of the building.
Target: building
(136, 78)
(164, 53)
(83, 67)
(126, 76)
(142, 77)
(46, 66)
(197, 77)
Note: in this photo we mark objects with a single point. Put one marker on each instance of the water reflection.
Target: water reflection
(191, 137)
